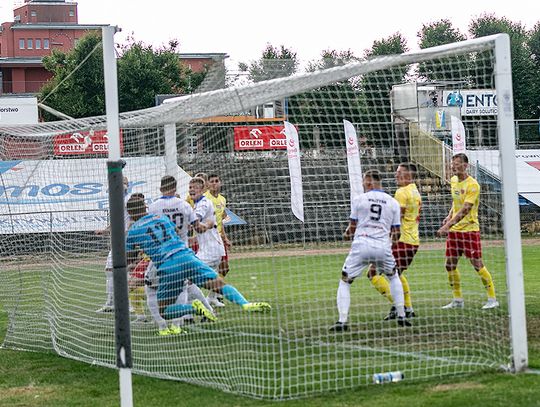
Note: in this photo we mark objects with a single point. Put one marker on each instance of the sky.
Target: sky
(243, 28)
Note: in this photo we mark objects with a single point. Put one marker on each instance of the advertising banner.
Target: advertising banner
(18, 110)
(353, 160)
(295, 171)
(472, 102)
(259, 138)
(83, 142)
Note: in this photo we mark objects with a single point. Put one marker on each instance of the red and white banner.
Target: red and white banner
(83, 142)
(459, 144)
(259, 138)
(353, 160)
(295, 171)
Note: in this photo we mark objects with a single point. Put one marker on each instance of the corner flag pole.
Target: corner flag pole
(116, 211)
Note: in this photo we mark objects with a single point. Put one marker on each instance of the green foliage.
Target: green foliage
(45, 379)
(144, 72)
(275, 62)
(77, 87)
(377, 86)
(439, 33)
(525, 73)
(310, 108)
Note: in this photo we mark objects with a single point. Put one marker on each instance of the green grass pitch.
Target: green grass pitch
(289, 351)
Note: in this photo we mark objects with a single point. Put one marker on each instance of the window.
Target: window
(71, 13)
(21, 43)
(30, 43)
(38, 43)
(45, 43)
(33, 13)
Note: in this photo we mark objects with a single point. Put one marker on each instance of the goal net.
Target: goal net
(385, 111)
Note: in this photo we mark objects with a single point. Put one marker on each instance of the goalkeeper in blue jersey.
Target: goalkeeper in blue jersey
(156, 236)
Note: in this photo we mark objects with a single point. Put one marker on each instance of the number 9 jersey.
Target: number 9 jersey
(375, 213)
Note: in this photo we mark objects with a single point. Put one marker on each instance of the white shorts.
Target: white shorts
(211, 261)
(363, 253)
(150, 276)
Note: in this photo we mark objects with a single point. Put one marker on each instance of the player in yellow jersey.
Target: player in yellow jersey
(463, 233)
(220, 204)
(405, 249)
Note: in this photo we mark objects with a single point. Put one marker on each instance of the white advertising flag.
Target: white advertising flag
(295, 171)
(458, 136)
(353, 160)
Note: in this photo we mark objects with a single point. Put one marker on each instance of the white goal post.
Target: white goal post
(397, 109)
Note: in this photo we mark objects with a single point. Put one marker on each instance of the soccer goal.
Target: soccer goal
(290, 153)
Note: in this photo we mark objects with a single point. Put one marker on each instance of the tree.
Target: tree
(77, 86)
(377, 87)
(534, 46)
(525, 78)
(454, 68)
(274, 63)
(144, 72)
(332, 58)
(318, 107)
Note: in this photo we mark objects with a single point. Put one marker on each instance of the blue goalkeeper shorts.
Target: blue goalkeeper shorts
(181, 266)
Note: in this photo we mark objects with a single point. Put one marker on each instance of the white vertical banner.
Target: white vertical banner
(295, 171)
(353, 160)
(458, 136)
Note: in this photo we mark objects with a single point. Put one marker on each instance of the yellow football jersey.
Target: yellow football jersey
(467, 190)
(189, 200)
(220, 204)
(409, 198)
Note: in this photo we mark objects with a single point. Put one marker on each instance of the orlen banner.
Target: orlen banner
(83, 142)
(473, 102)
(68, 195)
(259, 138)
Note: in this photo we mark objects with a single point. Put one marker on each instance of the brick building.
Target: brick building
(38, 27)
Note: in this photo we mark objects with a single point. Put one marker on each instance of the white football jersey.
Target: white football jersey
(375, 212)
(177, 210)
(211, 247)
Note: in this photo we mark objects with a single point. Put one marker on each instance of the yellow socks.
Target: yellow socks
(485, 276)
(382, 285)
(137, 297)
(454, 279)
(406, 291)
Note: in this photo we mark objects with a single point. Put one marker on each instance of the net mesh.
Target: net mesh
(54, 199)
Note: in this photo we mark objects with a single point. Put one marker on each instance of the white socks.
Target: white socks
(344, 300)
(109, 288)
(153, 307)
(396, 290)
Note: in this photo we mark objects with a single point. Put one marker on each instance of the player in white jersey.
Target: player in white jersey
(109, 302)
(211, 248)
(182, 215)
(374, 223)
(175, 208)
